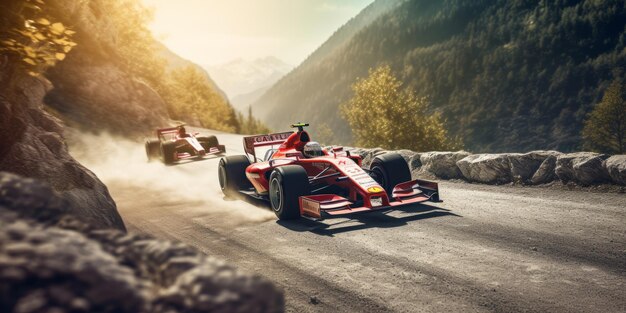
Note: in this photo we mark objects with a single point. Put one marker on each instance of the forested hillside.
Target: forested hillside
(176, 62)
(107, 71)
(289, 88)
(507, 75)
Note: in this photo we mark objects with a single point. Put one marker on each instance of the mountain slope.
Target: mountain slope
(282, 90)
(240, 77)
(243, 101)
(174, 62)
(508, 75)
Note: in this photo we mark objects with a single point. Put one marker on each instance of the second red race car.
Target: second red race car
(175, 143)
(301, 179)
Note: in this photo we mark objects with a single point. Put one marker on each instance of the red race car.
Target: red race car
(301, 179)
(174, 144)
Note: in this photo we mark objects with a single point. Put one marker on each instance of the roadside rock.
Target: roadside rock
(585, 168)
(524, 166)
(486, 168)
(616, 166)
(442, 164)
(415, 162)
(371, 154)
(30, 198)
(545, 173)
(52, 262)
(31, 145)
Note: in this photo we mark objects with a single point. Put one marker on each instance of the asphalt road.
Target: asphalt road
(484, 249)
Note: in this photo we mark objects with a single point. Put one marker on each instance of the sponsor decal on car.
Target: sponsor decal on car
(375, 189)
(310, 206)
(254, 141)
(357, 174)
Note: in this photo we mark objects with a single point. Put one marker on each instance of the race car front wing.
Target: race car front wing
(331, 205)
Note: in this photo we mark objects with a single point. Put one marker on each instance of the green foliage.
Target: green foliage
(33, 36)
(250, 125)
(190, 98)
(508, 75)
(605, 127)
(381, 114)
(135, 44)
(188, 94)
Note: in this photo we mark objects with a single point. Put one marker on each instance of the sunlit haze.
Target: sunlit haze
(210, 32)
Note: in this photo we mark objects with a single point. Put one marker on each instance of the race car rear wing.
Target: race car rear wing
(161, 132)
(250, 143)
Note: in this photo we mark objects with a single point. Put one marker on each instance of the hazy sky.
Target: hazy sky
(215, 31)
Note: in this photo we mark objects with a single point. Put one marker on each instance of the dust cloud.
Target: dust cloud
(190, 188)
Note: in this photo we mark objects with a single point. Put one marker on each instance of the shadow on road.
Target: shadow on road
(376, 219)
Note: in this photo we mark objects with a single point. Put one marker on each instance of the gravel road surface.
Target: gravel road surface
(484, 249)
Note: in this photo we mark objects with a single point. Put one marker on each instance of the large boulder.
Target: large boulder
(442, 164)
(30, 198)
(486, 168)
(525, 165)
(616, 166)
(32, 145)
(545, 173)
(52, 262)
(585, 168)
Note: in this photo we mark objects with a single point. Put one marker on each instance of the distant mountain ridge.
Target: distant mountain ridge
(245, 77)
(507, 75)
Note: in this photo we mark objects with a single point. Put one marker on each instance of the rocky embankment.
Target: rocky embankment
(52, 262)
(32, 145)
(532, 168)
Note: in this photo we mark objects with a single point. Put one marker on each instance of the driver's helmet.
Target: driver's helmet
(312, 149)
(182, 131)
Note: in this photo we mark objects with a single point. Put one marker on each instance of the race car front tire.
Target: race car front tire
(168, 152)
(208, 142)
(389, 170)
(232, 174)
(287, 184)
(152, 149)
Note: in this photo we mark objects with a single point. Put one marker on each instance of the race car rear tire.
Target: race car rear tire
(389, 170)
(287, 184)
(168, 152)
(232, 174)
(152, 149)
(208, 142)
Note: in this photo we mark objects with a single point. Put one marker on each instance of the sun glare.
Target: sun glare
(212, 32)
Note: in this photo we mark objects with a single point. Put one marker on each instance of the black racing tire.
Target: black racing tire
(168, 151)
(208, 142)
(389, 170)
(287, 184)
(232, 174)
(153, 149)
